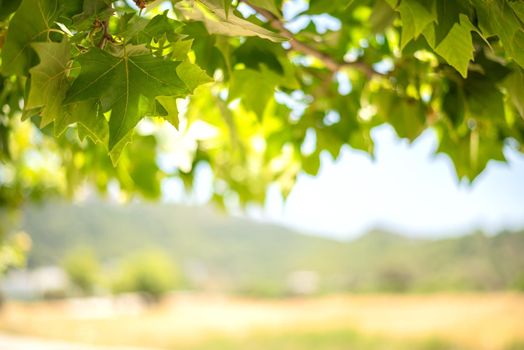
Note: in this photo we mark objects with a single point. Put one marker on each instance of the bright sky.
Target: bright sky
(407, 188)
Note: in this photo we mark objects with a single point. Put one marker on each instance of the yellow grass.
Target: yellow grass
(473, 321)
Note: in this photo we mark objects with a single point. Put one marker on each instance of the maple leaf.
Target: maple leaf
(119, 81)
(49, 81)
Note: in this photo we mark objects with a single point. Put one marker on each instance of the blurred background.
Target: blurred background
(383, 253)
(392, 248)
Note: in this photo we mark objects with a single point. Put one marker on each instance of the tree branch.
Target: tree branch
(331, 63)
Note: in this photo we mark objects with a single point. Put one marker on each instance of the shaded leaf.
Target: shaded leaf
(416, 15)
(31, 23)
(7, 7)
(49, 81)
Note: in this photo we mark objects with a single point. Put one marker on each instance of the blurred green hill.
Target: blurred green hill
(234, 254)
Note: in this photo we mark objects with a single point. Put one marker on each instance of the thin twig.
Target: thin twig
(331, 63)
(106, 36)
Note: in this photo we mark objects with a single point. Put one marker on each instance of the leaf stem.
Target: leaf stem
(106, 36)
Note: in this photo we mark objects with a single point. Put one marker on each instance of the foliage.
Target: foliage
(150, 272)
(14, 244)
(82, 268)
(13, 251)
(519, 283)
(84, 73)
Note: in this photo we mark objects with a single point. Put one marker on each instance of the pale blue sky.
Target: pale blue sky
(407, 188)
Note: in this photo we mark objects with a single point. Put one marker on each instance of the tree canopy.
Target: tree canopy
(87, 87)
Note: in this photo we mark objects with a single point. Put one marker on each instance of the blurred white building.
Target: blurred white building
(31, 284)
(303, 282)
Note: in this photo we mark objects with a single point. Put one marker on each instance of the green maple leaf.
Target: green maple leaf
(415, 16)
(166, 106)
(92, 10)
(7, 7)
(257, 99)
(514, 85)
(192, 75)
(120, 81)
(168, 109)
(218, 21)
(504, 18)
(90, 120)
(30, 23)
(95, 6)
(141, 30)
(407, 116)
(456, 47)
(266, 4)
(49, 82)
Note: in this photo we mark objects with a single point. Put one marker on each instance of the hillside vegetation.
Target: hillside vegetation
(240, 255)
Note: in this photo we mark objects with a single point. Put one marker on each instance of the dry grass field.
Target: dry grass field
(441, 321)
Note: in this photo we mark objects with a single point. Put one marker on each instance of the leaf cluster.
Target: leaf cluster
(254, 79)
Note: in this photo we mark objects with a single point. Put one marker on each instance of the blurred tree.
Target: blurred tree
(83, 269)
(150, 272)
(13, 251)
(395, 279)
(519, 283)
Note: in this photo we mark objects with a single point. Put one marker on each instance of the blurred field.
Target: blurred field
(442, 321)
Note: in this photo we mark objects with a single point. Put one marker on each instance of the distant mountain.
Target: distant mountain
(249, 256)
